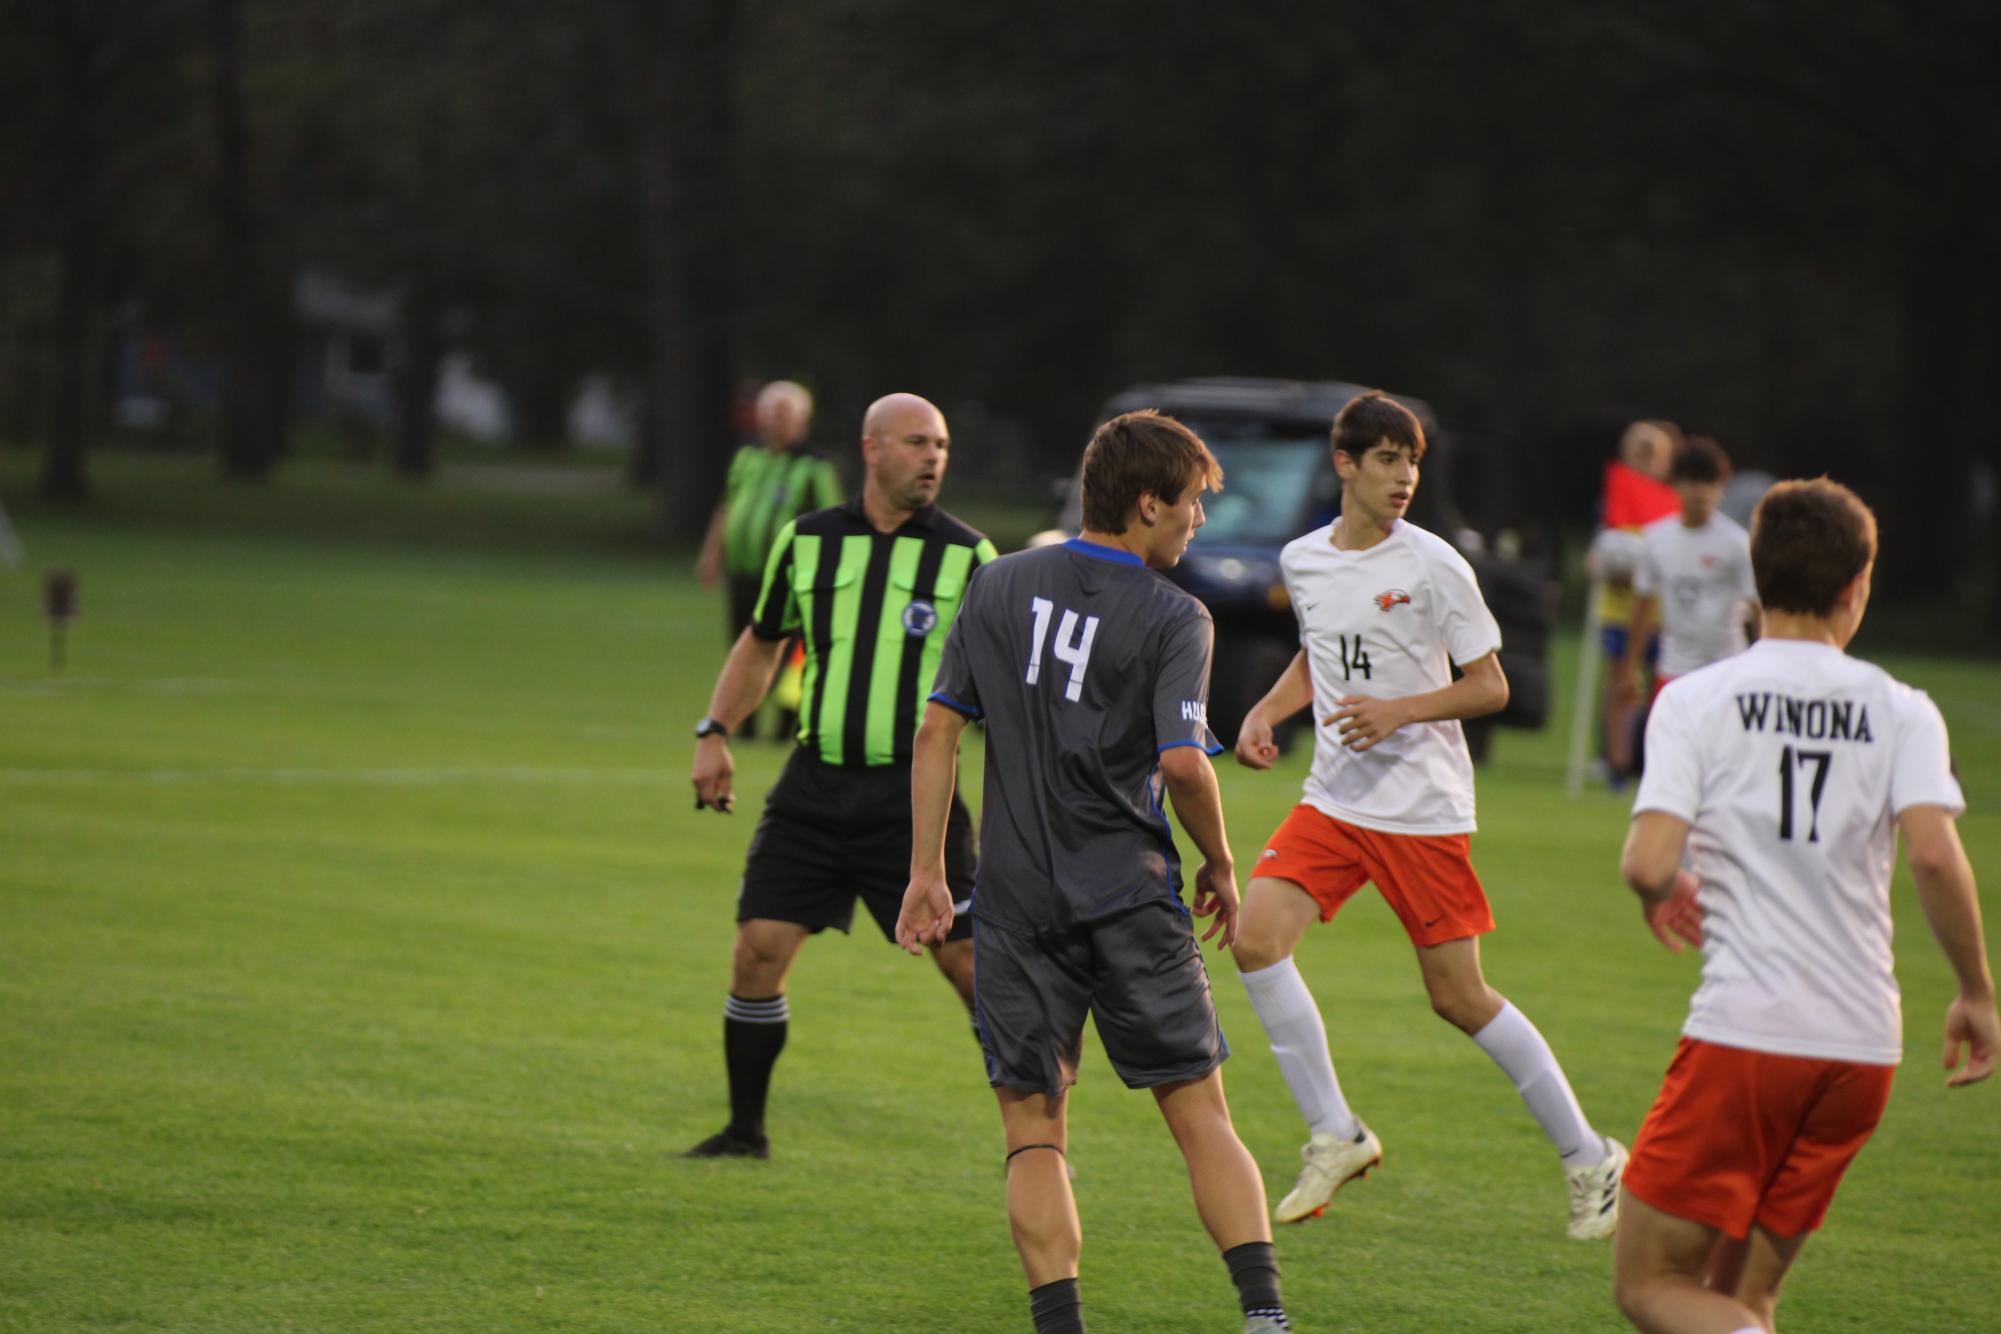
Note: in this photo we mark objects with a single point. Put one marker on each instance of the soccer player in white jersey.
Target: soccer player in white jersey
(1788, 770)
(1694, 572)
(1386, 610)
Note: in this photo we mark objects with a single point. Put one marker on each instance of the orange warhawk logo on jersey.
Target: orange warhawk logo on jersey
(1390, 597)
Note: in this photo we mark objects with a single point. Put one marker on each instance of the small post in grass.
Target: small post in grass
(59, 602)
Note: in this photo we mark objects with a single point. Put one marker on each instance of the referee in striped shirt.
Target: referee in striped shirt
(872, 585)
(771, 482)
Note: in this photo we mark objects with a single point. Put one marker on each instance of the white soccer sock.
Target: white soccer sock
(1520, 1049)
(1299, 1043)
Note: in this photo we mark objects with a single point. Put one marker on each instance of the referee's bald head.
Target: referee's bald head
(893, 415)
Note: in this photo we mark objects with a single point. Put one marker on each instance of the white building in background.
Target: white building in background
(603, 416)
(469, 405)
(343, 371)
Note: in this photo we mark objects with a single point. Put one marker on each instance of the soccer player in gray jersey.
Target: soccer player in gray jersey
(1091, 673)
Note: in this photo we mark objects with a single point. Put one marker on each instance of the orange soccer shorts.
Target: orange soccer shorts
(1427, 879)
(1741, 1137)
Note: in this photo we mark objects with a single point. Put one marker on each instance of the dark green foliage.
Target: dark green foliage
(1546, 218)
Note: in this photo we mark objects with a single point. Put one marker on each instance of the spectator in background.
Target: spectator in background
(1693, 577)
(772, 481)
(1635, 496)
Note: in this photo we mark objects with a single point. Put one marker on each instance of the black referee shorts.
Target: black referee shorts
(1139, 973)
(832, 832)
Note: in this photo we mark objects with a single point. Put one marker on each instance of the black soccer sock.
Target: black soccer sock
(1254, 1269)
(1057, 1308)
(753, 1035)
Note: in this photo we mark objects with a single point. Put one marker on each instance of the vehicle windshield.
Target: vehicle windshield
(1269, 493)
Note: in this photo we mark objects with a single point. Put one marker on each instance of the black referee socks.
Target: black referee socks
(1254, 1270)
(753, 1035)
(1057, 1308)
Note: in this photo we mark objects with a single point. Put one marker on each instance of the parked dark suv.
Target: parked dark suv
(1271, 437)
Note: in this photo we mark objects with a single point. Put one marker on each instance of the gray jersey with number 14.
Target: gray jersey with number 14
(1085, 665)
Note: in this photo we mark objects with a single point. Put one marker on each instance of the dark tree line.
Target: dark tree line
(1765, 220)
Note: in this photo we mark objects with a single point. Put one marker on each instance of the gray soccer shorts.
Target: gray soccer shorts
(1139, 974)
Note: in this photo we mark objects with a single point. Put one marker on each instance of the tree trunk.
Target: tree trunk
(643, 467)
(63, 476)
(421, 354)
(255, 296)
(538, 397)
(685, 146)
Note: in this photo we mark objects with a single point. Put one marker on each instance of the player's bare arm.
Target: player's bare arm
(1639, 628)
(741, 687)
(1652, 865)
(709, 561)
(1951, 904)
(1198, 804)
(1293, 691)
(1365, 720)
(934, 772)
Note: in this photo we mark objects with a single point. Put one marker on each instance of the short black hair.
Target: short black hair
(1699, 459)
(1373, 417)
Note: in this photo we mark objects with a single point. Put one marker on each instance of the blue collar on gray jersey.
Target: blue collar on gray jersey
(1118, 554)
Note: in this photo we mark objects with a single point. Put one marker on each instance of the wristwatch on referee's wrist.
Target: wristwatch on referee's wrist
(709, 727)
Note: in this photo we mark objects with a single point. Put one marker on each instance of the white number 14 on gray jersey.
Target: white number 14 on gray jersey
(1071, 646)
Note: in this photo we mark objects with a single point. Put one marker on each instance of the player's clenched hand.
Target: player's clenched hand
(1971, 1025)
(1216, 892)
(1677, 919)
(927, 913)
(1364, 720)
(712, 774)
(1256, 747)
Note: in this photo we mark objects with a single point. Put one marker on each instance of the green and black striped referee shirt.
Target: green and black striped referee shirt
(767, 489)
(873, 609)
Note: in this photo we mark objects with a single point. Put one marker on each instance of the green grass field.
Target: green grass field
(362, 961)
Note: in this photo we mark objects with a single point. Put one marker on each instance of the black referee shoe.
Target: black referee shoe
(728, 1143)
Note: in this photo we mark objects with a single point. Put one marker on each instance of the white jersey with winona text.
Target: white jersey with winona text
(1388, 622)
(1702, 579)
(1791, 762)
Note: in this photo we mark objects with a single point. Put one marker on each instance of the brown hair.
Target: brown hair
(1808, 542)
(1372, 417)
(1141, 453)
(1699, 459)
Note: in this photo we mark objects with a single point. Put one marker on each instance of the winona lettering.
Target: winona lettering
(1814, 719)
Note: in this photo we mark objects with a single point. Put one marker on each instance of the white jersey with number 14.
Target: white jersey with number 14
(1388, 622)
(1791, 762)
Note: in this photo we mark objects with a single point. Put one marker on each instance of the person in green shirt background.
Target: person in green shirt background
(772, 481)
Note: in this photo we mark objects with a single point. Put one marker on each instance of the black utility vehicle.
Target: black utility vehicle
(1271, 437)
